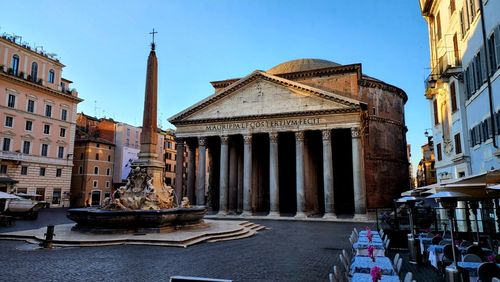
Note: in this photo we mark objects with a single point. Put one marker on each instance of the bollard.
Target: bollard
(49, 237)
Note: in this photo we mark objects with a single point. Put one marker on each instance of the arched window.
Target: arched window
(15, 64)
(96, 170)
(51, 76)
(34, 71)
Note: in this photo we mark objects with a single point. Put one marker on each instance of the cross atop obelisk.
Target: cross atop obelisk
(153, 42)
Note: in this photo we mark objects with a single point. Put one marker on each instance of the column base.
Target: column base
(246, 213)
(222, 213)
(300, 215)
(273, 214)
(329, 216)
(360, 216)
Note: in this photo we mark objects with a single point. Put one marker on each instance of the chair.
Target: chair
(436, 240)
(448, 252)
(343, 262)
(395, 261)
(465, 244)
(474, 250)
(472, 258)
(332, 278)
(351, 241)
(430, 235)
(356, 231)
(398, 266)
(387, 243)
(487, 271)
(444, 243)
(495, 279)
(408, 277)
(346, 256)
(447, 234)
(381, 232)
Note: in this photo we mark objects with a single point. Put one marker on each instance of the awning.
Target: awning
(429, 189)
(7, 180)
(474, 186)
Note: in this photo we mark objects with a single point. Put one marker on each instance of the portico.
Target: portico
(274, 147)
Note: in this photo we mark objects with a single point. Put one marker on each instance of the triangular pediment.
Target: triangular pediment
(262, 94)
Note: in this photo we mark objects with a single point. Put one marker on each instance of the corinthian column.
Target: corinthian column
(328, 173)
(247, 174)
(179, 181)
(358, 173)
(299, 172)
(200, 183)
(274, 193)
(223, 175)
(191, 171)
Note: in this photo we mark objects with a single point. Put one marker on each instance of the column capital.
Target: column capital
(247, 139)
(327, 135)
(224, 140)
(273, 137)
(299, 136)
(355, 132)
(202, 141)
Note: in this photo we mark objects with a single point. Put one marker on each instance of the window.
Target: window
(62, 132)
(458, 144)
(24, 170)
(462, 27)
(42, 171)
(64, 114)
(96, 170)
(453, 97)
(9, 121)
(491, 52)
(94, 183)
(80, 170)
(60, 152)
(34, 71)
(48, 110)
(97, 156)
(15, 64)
(128, 132)
(108, 171)
(98, 145)
(436, 114)
(81, 156)
(472, 9)
(109, 158)
(46, 129)
(168, 156)
(31, 106)
(45, 150)
(58, 172)
(29, 125)
(439, 155)
(11, 103)
(56, 196)
(63, 87)
(6, 144)
(107, 184)
(3, 169)
(169, 167)
(26, 147)
(438, 26)
(51, 76)
(41, 192)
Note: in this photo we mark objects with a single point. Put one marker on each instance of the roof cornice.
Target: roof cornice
(38, 87)
(40, 56)
(363, 82)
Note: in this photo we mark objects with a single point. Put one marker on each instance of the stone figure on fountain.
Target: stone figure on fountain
(139, 194)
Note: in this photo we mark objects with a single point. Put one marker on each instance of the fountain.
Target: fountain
(145, 204)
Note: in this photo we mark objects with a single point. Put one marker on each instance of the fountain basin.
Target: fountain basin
(127, 221)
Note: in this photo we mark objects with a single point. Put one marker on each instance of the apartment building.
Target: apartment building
(37, 122)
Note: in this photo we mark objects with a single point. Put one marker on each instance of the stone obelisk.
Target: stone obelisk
(148, 157)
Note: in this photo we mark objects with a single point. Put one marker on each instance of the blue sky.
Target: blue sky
(105, 44)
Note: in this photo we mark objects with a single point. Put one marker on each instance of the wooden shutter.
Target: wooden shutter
(453, 97)
(483, 61)
(497, 45)
(436, 116)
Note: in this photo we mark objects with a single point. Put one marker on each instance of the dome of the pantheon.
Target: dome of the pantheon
(301, 65)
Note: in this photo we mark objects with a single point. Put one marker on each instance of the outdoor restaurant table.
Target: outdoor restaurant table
(362, 248)
(364, 232)
(425, 242)
(436, 253)
(472, 268)
(363, 277)
(365, 240)
(361, 264)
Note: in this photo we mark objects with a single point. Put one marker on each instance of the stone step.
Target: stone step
(246, 235)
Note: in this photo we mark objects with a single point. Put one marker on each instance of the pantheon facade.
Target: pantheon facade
(307, 137)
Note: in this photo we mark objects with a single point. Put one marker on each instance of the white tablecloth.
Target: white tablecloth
(363, 277)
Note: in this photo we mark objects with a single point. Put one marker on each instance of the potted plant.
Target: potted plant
(40, 81)
(21, 74)
(10, 71)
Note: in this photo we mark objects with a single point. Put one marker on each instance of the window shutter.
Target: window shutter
(472, 138)
(498, 122)
(489, 127)
(483, 59)
(497, 45)
(473, 76)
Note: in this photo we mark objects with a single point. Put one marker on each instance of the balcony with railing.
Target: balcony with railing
(449, 64)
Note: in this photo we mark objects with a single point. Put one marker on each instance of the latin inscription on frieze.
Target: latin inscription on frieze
(282, 123)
